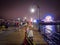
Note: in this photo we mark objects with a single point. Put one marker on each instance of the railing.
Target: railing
(54, 38)
(29, 41)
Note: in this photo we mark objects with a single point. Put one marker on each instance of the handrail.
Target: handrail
(29, 41)
(49, 23)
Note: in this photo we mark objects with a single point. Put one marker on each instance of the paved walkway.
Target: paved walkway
(17, 38)
(12, 37)
(38, 39)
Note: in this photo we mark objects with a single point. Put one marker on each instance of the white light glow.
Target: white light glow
(18, 18)
(34, 21)
(25, 17)
(32, 10)
(31, 19)
(48, 19)
(48, 27)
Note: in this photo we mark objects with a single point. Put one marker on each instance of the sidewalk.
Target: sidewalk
(15, 38)
(38, 39)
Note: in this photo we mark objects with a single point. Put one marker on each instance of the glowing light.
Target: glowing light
(32, 10)
(18, 18)
(48, 19)
(31, 19)
(35, 21)
(25, 17)
(49, 28)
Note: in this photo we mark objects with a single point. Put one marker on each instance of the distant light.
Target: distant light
(32, 10)
(25, 17)
(35, 21)
(18, 18)
(49, 28)
(31, 19)
(48, 19)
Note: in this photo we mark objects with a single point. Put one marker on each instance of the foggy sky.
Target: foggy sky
(13, 9)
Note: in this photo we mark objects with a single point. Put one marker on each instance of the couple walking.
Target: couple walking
(29, 34)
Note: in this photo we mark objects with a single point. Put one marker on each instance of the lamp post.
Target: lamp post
(38, 15)
(32, 10)
(38, 11)
(36, 8)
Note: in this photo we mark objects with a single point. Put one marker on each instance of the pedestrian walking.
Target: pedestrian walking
(30, 34)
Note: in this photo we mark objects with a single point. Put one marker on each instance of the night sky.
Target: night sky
(13, 9)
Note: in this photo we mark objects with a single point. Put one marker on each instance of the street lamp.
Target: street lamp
(32, 10)
(38, 11)
(36, 8)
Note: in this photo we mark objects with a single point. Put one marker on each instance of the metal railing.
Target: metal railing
(29, 41)
(54, 38)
